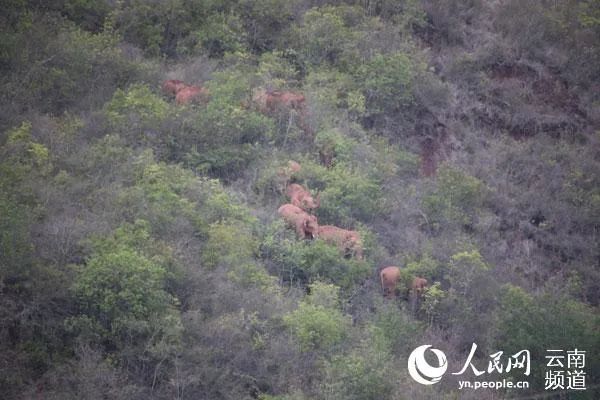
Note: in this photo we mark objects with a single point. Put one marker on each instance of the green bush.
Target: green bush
(456, 197)
(172, 199)
(135, 110)
(299, 260)
(23, 164)
(121, 293)
(229, 245)
(542, 322)
(66, 67)
(387, 83)
(252, 274)
(473, 290)
(279, 68)
(322, 261)
(220, 34)
(356, 377)
(324, 37)
(154, 27)
(224, 137)
(264, 21)
(394, 332)
(425, 267)
(347, 192)
(158, 195)
(317, 326)
(465, 269)
(333, 147)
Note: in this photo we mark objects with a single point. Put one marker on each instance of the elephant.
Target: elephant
(288, 100)
(389, 280)
(273, 102)
(305, 224)
(190, 94)
(300, 197)
(172, 86)
(418, 286)
(347, 241)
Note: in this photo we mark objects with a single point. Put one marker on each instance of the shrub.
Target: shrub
(264, 21)
(66, 67)
(357, 377)
(320, 260)
(542, 322)
(173, 200)
(333, 147)
(224, 136)
(279, 68)
(220, 34)
(122, 296)
(473, 291)
(347, 193)
(229, 245)
(387, 83)
(455, 198)
(136, 111)
(307, 262)
(394, 332)
(425, 267)
(317, 326)
(324, 37)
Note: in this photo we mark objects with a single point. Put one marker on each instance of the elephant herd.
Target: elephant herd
(390, 277)
(298, 212)
(267, 101)
(298, 215)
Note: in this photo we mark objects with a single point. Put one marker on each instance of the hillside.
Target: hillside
(146, 148)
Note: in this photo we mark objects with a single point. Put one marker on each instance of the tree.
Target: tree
(122, 296)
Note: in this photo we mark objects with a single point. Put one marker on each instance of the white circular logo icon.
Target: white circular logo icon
(421, 371)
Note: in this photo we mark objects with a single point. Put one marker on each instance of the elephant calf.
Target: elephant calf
(418, 286)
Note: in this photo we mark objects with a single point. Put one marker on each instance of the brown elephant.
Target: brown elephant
(271, 101)
(289, 100)
(305, 224)
(191, 94)
(418, 286)
(347, 241)
(172, 86)
(300, 197)
(274, 102)
(390, 276)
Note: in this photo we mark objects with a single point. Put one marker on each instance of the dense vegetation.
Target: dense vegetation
(141, 255)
